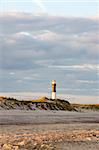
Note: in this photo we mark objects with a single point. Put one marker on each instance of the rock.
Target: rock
(88, 138)
(7, 146)
(16, 147)
(21, 143)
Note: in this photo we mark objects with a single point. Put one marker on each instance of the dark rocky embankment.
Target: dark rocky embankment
(41, 104)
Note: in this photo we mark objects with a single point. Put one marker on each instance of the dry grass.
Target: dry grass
(86, 106)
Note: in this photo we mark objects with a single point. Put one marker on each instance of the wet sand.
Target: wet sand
(46, 117)
(49, 130)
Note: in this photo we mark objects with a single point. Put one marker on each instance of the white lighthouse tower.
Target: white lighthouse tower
(53, 89)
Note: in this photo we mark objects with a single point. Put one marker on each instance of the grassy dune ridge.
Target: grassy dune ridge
(86, 106)
(42, 104)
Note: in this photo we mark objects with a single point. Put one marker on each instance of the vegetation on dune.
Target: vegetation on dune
(42, 99)
(42, 104)
(86, 106)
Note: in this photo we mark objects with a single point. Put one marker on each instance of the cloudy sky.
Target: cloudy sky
(42, 40)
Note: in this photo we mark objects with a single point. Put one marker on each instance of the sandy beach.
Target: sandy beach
(44, 117)
(49, 130)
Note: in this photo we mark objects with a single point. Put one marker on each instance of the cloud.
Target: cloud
(83, 67)
(40, 5)
(61, 48)
(12, 73)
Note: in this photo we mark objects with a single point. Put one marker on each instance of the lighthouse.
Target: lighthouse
(53, 89)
